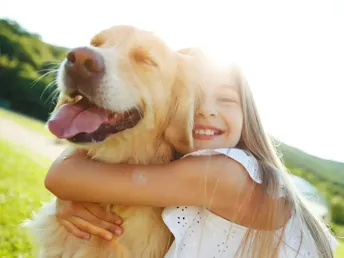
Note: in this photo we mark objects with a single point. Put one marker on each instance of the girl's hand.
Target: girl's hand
(83, 219)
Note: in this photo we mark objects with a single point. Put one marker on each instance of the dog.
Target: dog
(137, 96)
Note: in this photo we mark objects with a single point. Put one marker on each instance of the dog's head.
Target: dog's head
(126, 82)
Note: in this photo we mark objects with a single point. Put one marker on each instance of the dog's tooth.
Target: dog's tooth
(78, 98)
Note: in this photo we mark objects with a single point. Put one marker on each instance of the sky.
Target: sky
(292, 52)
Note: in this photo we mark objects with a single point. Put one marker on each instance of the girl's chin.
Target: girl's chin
(201, 145)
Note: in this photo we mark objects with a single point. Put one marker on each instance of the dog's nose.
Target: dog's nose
(84, 63)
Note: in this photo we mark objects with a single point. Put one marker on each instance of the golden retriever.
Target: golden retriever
(134, 93)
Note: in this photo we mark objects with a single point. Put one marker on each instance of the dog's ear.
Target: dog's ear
(181, 118)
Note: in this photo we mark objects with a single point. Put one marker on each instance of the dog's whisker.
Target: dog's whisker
(47, 69)
(128, 113)
(52, 96)
(40, 78)
(51, 84)
(53, 62)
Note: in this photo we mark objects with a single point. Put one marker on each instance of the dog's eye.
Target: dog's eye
(141, 55)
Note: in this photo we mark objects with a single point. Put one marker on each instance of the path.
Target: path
(20, 135)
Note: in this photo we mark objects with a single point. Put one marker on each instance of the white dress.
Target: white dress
(200, 233)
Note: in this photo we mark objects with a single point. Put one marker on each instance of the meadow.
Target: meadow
(21, 192)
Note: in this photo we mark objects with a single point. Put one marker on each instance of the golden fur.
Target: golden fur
(142, 71)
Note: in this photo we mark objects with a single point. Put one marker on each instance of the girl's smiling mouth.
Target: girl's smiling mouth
(205, 132)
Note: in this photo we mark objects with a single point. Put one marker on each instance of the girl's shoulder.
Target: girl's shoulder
(245, 158)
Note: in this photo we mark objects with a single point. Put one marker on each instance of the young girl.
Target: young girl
(229, 197)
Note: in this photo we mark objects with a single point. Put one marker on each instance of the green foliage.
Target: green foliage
(21, 192)
(337, 205)
(24, 58)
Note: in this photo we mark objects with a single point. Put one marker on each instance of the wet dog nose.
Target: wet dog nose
(84, 63)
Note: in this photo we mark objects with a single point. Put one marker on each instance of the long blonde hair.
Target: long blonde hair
(257, 142)
(254, 139)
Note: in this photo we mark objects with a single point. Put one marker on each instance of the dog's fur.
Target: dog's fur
(143, 72)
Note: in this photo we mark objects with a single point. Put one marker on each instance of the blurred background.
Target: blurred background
(291, 51)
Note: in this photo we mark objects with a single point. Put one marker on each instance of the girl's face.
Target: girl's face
(218, 117)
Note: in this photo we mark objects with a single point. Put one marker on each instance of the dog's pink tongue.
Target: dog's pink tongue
(72, 119)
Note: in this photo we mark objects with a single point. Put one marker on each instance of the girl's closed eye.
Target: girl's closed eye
(226, 100)
(227, 95)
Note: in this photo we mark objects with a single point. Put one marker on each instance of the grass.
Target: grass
(339, 253)
(33, 124)
(21, 192)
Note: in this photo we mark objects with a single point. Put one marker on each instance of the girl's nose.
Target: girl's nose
(206, 109)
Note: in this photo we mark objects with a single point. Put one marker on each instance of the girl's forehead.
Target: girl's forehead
(219, 79)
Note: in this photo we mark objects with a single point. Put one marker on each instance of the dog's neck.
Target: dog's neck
(144, 148)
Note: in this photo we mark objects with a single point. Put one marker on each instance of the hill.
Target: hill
(25, 59)
(324, 169)
(24, 62)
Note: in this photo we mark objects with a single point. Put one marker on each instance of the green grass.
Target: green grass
(339, 253)
(21, 191)
(35, 125)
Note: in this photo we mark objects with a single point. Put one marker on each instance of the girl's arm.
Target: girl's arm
(192, 181)
(182, 182)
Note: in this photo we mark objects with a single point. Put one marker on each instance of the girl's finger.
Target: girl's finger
(102, 214)
(74, 230)
(88, 216)
(86, 226)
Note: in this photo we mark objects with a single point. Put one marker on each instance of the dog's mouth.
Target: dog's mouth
(81, 121)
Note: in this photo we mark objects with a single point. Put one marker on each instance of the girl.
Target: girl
(230, 197)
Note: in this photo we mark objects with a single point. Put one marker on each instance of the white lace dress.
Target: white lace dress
(202, 234)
